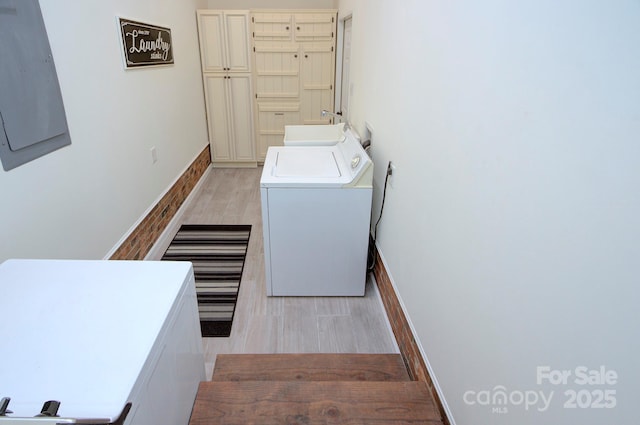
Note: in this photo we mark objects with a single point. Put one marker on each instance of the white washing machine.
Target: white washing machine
(316, 211)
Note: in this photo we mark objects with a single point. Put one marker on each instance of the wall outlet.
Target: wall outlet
(392, 173)
(154, 155)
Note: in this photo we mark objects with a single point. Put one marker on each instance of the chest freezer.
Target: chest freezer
(107, 340)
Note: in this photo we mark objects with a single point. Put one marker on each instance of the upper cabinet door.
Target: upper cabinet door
(212, 41)
(238, 51)
(272, 26)
(224, 41)
(314, 26)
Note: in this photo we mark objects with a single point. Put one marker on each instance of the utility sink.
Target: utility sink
(313, 135)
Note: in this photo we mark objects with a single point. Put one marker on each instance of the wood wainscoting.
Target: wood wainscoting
(404, 336)
(144, 236)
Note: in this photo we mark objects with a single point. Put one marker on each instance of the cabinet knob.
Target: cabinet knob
(298, 28)
(306, 56)
(295, 56)
(287, 28)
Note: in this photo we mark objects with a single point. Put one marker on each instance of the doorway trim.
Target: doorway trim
(337, 102)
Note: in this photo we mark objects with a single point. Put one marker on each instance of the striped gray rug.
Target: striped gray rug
(217, 253)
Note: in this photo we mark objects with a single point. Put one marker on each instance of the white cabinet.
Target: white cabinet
(273, 116)
(315, 26)
(277, 70)
(294, 70)
(224, 40)
(272, 26)
(278, 65)
(226, 71)
(311, 25)
(229, 113)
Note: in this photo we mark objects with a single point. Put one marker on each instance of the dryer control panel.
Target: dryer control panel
(357, 162)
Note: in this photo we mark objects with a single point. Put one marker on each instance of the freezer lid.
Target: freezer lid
(81, 332)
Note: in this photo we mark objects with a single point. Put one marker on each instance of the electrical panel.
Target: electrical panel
(32, 116)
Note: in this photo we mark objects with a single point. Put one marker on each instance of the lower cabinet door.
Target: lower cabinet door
(218, 117)
(230, 117)
(272, 117)
(240, 105)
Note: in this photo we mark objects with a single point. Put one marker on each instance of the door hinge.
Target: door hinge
(332, 48)
(331, 34)
(254, 49)
(253, 19)
(253, 34)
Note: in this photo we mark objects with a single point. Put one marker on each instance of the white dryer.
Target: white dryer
(316, 212)
(314, 135)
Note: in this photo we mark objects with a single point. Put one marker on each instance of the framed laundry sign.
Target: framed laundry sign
(145, 44)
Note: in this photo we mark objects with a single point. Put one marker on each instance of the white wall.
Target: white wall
(512, 230)
(272, 4)
(79, 201)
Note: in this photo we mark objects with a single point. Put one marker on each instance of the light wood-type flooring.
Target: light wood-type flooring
(279, 324)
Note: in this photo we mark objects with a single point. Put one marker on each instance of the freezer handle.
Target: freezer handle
(4, 406)
(50, 409)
